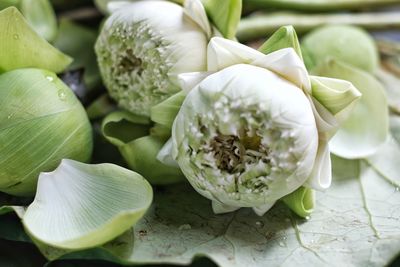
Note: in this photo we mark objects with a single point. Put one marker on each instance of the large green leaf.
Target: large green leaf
(355, 223)
(22, 47)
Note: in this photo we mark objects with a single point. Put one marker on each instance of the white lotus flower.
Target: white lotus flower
(256, 128)
(143, 46)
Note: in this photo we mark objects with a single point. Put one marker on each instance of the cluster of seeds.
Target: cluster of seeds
(134, 64)
(236, 148)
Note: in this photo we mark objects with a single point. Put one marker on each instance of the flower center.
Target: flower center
(131, 63)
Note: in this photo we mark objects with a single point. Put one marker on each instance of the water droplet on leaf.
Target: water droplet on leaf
(62, 95)
(259, 224)
(49, 78)
(16, 36)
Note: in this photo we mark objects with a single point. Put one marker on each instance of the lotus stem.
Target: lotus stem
(263, 25)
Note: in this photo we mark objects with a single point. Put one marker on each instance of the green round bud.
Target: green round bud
(41, 122)
(349, 44)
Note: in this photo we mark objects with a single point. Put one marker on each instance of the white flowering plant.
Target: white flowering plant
(255, 128)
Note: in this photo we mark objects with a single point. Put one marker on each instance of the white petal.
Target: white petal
(195, 10)
(80, 206)
(326, 122)
(165, 155)
(321, 175)
(222, 53)
(261, 210)
(188, 81)
(219, 208)
(286, 63)
(338, 96)
(115, 5)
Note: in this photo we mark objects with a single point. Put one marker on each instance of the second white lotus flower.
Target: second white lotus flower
(143, 46)
(255, 127)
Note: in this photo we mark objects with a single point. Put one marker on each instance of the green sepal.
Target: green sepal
(301, 201)
(122, 127)
(225, 15)
(165, 112)
(139, 144)
(41, 16)
(141, 156)
(349, 44)
(284, 37)
(22, 47)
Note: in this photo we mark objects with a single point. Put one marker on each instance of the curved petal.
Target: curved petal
(219, 208)
(80, 206)
(165, 155)
(261, 210)
(121, 127)
(326, 122)
(368, 125)
(337, 96)
(321, 175)
(287, 64)
(301, 201)
(187, 81)
(222, 53)
(195, 10)
(165, 112)
(141, 156)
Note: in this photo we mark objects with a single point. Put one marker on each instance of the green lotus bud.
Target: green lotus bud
(349, 44)
(145, 45)
(41, 122)
(257, 128)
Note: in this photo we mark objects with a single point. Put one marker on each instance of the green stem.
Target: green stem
(320, 5)
(262, 25)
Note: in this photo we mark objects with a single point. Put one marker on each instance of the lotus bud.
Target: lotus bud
(257, 128)
(349, 44)
(41, 122)
(145, 45)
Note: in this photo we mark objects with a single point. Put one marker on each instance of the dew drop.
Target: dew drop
(49, 78)
(282, 244)
(308, 217)
(16, 36)
(62, 95)
(9, 116)
(397, 189)
(259, 224)
(185, 227)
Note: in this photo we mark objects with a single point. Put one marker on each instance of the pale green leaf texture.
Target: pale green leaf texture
(355, 223)
(367, 127)
(80, 206)
(22, 47)
(41, 122)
